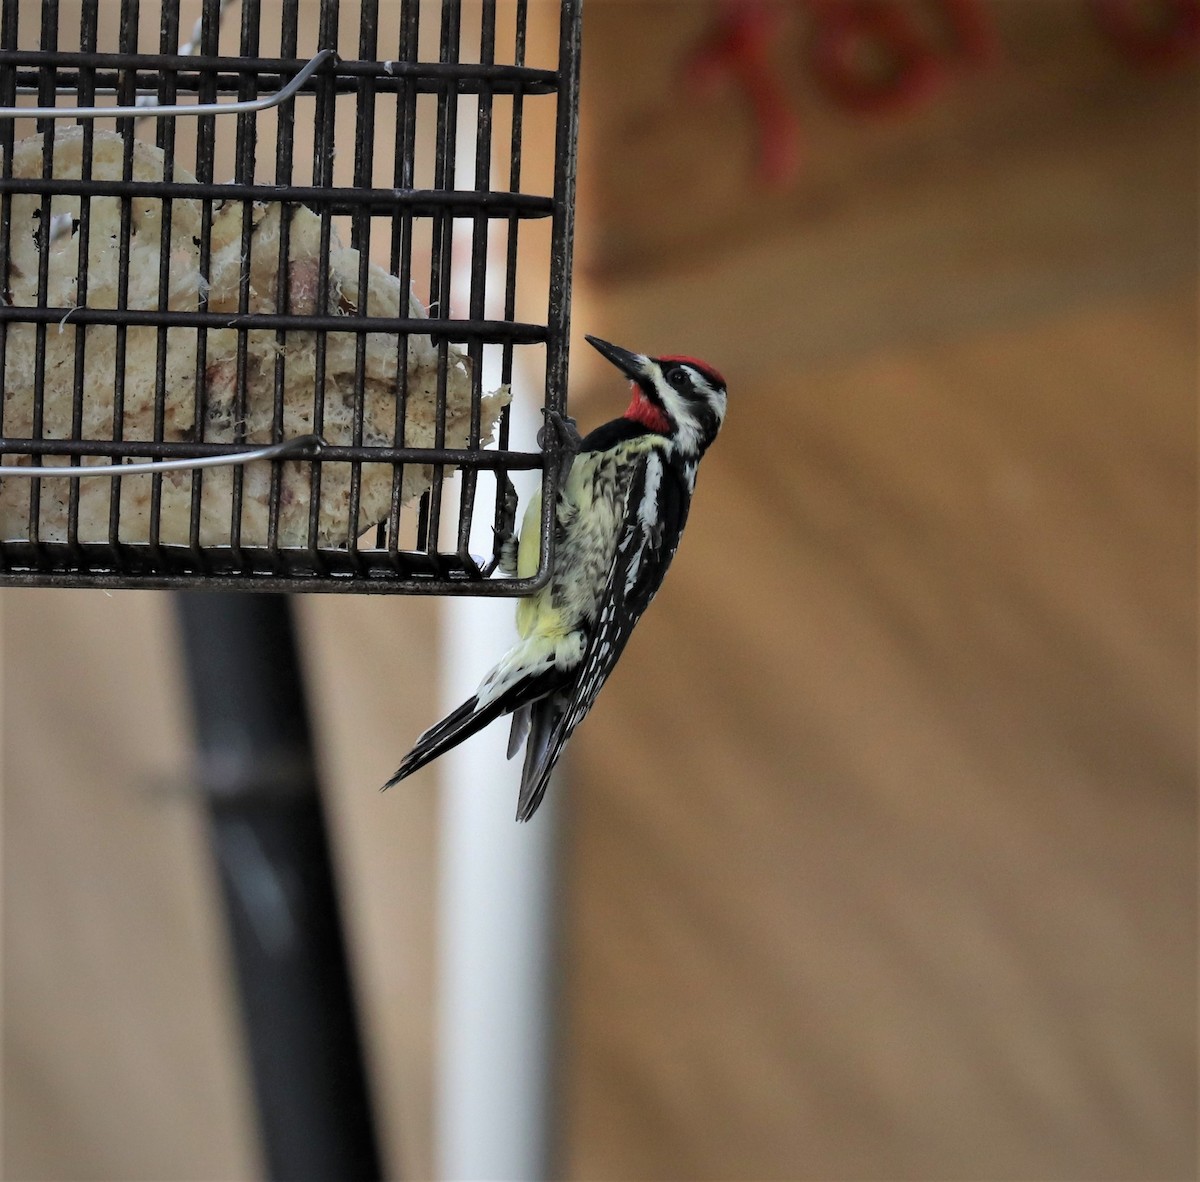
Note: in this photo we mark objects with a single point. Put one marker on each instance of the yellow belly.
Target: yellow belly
(590, 509)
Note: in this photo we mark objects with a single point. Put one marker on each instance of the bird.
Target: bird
(621, 506)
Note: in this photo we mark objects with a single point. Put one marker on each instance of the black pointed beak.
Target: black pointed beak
(633, 365)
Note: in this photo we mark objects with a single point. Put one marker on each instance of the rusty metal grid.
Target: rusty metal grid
(345, 136)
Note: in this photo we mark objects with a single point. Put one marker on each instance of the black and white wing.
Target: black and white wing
(656, 509)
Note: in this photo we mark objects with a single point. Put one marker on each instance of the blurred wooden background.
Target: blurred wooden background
(882, 854)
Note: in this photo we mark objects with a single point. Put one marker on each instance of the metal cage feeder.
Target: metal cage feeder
(250, 281)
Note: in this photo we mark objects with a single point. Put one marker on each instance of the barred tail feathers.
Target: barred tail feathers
(510, 687)
(461, 724)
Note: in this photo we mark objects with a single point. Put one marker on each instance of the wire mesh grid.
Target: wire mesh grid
(267, 250)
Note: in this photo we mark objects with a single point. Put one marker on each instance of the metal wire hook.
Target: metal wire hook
(276, 451)
(147, 107)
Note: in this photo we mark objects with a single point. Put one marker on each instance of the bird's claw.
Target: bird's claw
(563, 426)
(567, 434)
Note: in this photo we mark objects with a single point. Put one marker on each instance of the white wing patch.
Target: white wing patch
(647, 519)
(648, 509)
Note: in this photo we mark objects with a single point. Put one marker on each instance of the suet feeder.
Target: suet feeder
(247, 282)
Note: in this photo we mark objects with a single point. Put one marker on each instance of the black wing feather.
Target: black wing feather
(625, 598)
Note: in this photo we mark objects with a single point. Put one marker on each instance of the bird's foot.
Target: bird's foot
(566, 432)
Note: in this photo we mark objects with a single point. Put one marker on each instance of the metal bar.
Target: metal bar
(206, 38)
(417, 577)
(449, 330)
(125, 128)
(459, 457)
(147, 106)
(478, 277)
(322, 174)
(360, 240)
(345, 81)
(305, 444)
(562, 241)
(284, 159)
(245, 152)
(88, 33)
(403, 172)
(422, 202)
(430, 76)
(441, 280)
(510, 261)
(46, 86)
(168, 38)
(195, 42)
(269, 839)
(8, 35)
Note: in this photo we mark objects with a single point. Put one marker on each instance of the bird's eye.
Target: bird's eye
(677, 378)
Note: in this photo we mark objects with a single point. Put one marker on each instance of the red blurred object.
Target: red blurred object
(878, 57)
(739, 47)
(874, 56)
(1153, 34)
(973, 31)
(871, 56)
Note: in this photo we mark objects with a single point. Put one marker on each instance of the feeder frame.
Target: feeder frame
(229, 96)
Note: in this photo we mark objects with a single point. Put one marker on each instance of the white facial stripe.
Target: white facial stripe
(682, 409)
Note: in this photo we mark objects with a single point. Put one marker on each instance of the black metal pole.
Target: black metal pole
(269, 839)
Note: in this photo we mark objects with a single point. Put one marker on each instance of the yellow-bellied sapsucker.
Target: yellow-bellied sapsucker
(621, 509)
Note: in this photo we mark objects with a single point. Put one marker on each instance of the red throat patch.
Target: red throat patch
(642, 410)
